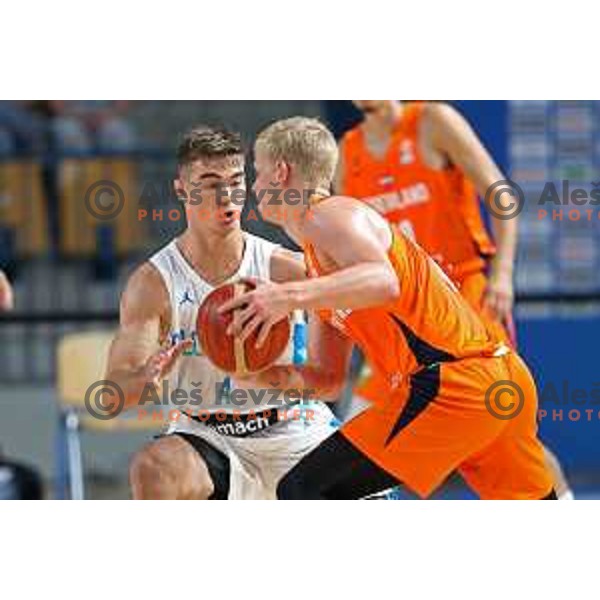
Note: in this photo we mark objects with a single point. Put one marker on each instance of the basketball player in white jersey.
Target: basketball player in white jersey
(225, 453)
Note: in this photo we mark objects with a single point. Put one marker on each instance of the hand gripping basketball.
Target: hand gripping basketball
(234, 353)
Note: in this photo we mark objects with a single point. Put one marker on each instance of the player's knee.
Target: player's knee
(161, 472)
(148, 475)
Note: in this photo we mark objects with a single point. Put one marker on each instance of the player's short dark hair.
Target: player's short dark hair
(205, 142)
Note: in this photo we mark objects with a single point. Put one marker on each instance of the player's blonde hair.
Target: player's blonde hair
(305, 143)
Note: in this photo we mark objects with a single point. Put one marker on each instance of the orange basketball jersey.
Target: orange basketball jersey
(439, 208)
(429, 323)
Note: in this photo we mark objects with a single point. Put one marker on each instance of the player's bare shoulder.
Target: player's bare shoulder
(436, 111)
(145, 296)
(437, 117)
(334, 208)
(340, 213)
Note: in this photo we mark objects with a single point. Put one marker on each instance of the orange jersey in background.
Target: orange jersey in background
(440, 208)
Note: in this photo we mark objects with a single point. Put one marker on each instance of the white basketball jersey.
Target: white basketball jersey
(194, 379)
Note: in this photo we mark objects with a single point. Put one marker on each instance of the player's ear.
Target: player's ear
(282, 172)
(179, 189)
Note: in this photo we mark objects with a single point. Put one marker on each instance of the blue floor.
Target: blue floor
(456, 490)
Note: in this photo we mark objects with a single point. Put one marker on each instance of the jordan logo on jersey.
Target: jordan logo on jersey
(186, 298)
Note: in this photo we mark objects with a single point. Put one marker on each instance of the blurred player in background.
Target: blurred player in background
(421, 166)
(6, 293)
(237, 457)
(437, 356)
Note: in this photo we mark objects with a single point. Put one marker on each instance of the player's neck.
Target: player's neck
(295, 226)
(215, 258)
(380, 124)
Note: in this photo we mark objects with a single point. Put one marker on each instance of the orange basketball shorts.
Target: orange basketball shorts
(476, 415)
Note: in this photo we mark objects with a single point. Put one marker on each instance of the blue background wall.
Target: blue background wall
(557, 349)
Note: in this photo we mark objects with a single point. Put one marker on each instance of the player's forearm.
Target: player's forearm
(132, 381)
(452, 136)
(505, 236)
(359, 286)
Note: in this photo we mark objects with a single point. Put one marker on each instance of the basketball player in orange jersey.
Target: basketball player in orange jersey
(6, 293)
(374, 287)
(421, 166)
